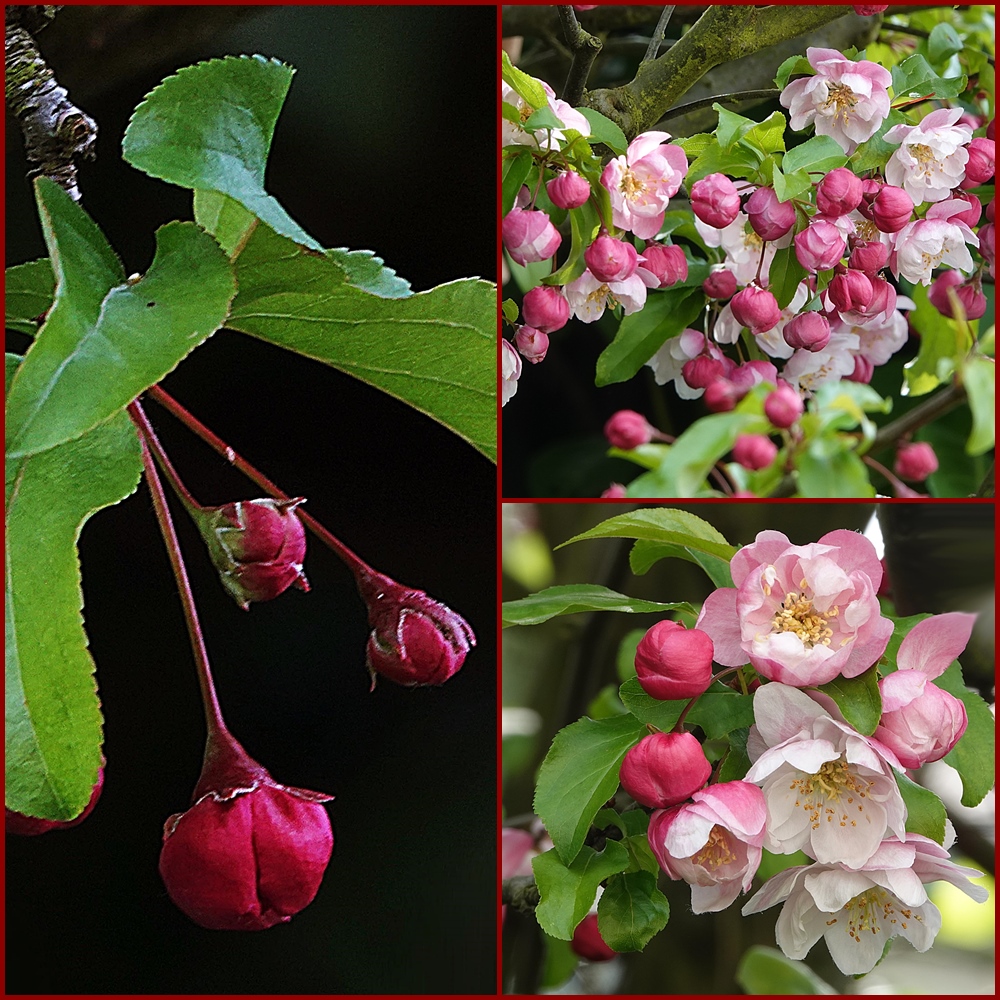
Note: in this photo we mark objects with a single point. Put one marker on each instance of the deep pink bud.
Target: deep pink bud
(32, 826)
(756, 308)
(972, 214)
(915, 461)
(663, 769)
(667, 263)
(991, 209)
(783, 406)
(982, 162)
(616, 491)
(610, 259)
(754, 451)
(249, 853)
(839, 192)
(770, 219)
(715, 200)
(864, 368)
(415, 640)
(819, 246)
(745, 376)
(987, 243)
(809, 331)
(920, 722)
(989, 129)
(867, 9)
(627, 429)
(870, 188)
(702, 370)
(545, 308)
(257, 547)
(568, 190)
(869, 256)
(529, 236)
(673, 662)
(588, 943)
(721, 396)
(972, 298)
(891, 209)
(851, 290)
(719, 285)
(532, 343)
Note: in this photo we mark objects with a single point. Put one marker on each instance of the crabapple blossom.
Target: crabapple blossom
(666, 263)
(809, 331)
(721, 396)
(783, 406)
(969, 295)
(808, 370)
(642, 181)
(839, 192)
(510, 371)
(801, 614)
(867, 9)
(663, 769)
(610, 259)
(931, 158)
(845, 100)
(862, 371)
(529, 236)
(668, 362)
(987, 245)
(970, 216)
(616, 491)
(869, 256)
(819, 246)
(751, 373)
(627, 429)
(673, 662)
(568, 190)
(743, 248)
(879, 336)
(715, 200)
(713, 842)
(879, 308)
(770, 219)
(755, 308)
(891, 208)
(700, 372)
(514, 133)
(925, 244)
(545, 308)
(858, 910)
(587, 941)
(754, 451)
(850, 290)
(588, 296)
(720, 284)
(829, 790)
(982, 162)
(915, 460)
(533, 344)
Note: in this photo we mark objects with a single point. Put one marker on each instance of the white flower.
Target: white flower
(742, 246)
(588, 296)
(510, 371)
(930, 162)
(512, 133)
(923, 245)
(879, 337)
(668, 361)
(808, 370)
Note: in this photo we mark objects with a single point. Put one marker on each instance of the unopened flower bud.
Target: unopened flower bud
(754, 451)
(529, 236)
(891, 209)
(770, 219)
(809, 331)
(627, 429)
(257, 547)
(850, 290)
(715, 200)
(972, 299)
(568, 190)
(699, 372)
(663, 769)
(839, 192)
(819, 246)
(981, 164)
(721, 396)
(755, 308)
(545, 308)
(870, 188)
(32, 826)
(673, 662)
(915, 461)
(867, 9)
(719, 284)
(616, 491)
(249, 853)
(869, 256)
(920, 722)
(588, 943)
(864, 368)
(667, 263)
(972, 214)
(532, 343)
(415, 640)
(783, 406)
(610, 259)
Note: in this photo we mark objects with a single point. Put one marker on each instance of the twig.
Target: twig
(922, 413)
(661, 29)
(707, 102)
(584, 47)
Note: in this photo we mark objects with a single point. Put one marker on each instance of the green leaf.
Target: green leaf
(28, 293)
(973, 756)
(677, 527)
(943, 344)
(858, 699)
(719, 712)
(979, 378)
(631, 910)
(643, 333)
(914, 77)
(510, 311)
(435, 350)
(732, 127)
(605, 130)
(943, 43)
(768, 136)
(739, 162)
(792, 66)
(785, 275)
(645, 554)
(53, 717)
(647, 709)
(567, 891)
(106, 340)
(516, 169)
(226, 219)
(736, 763)
(766, 971)
(209, 128)
(825, 470)
(579, 774)
(560, 963)
(925, 812)
(820, 154)
(790, 185)
(573, 599)
(525, 86)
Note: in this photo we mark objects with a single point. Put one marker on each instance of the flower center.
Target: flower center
(867, 911)
(867, 230)
(834, 789)
(922, 153)
(631, 186)
(716, 852)
(601, 296)
(752, 241)
(797, 615)
(842, 99)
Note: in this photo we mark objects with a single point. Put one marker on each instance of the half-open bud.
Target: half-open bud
(664, 768)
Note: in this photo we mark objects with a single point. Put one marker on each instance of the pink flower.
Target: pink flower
(982, 162)
(715, 200)
(673, 662)
(568, 190)
(809, 331)
(667, 264)
(642, 182)
(771, 219)
(857, 911)
(819, 246)
(839, 192)
(616, 491)
(845, 100)
(513, 133)
(829, 790)
(850, 290)
(969, 295)
(920, 722)
(588, 296)
(891, 208)
(915, 460)
(529, 236)
(801, 614)
(743, 248)
(783, 406)
(510, 371)
(532, 343)
(545, 309)
(610, 259)
(755, 308)
(809, 369)
(932, 155)
(663, 769)
(927, 243)
(627, 429)
(869, 256)
(754, 451)
(713, 843)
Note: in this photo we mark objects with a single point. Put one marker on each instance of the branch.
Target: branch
(584, 47)
(520, 892)
(707, 102)
(922, 413)
(658, 35)
(723, 33)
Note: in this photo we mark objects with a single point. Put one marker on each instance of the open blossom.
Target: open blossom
(742, 245)
(829, 790)
(801, 614)
(642, 181)
(510, 371)
(809, 369)
(925, 244)
(713, 842)
(546, 138)
(932, 155)
(858, 911)
(845, 100)
(588, 296)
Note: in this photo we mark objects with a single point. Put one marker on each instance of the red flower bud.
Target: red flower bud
(715, 200)
(673, 662)
(616, 491)
(755, 308)
(754, 451)
(982, 162)
(851, 290)
(588, 943)
(721, 396)
(627, 429)
(32, 826)
(545, 308)
(915, 461)
(839, 192)
(864, 368)
(783, 406)
(249, 853)
(770, 219)
(667, 263)
(532, 343)
(891, 209)
(868, 256)
(719, 285)
(701, 371)
(664, 768)
(610, 259)
(568, 190)
(819, 246)
(257, 547)
(415, 640)
(972, 214)
(972, 299)
(867, 9)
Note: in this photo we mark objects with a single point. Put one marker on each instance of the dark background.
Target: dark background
(386, 143)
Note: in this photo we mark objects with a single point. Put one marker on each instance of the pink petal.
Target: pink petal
(900, 688)
(645, 143)
(856, 553)
(719, 619)
(782, 712)
(933, 643)
(766, 548)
